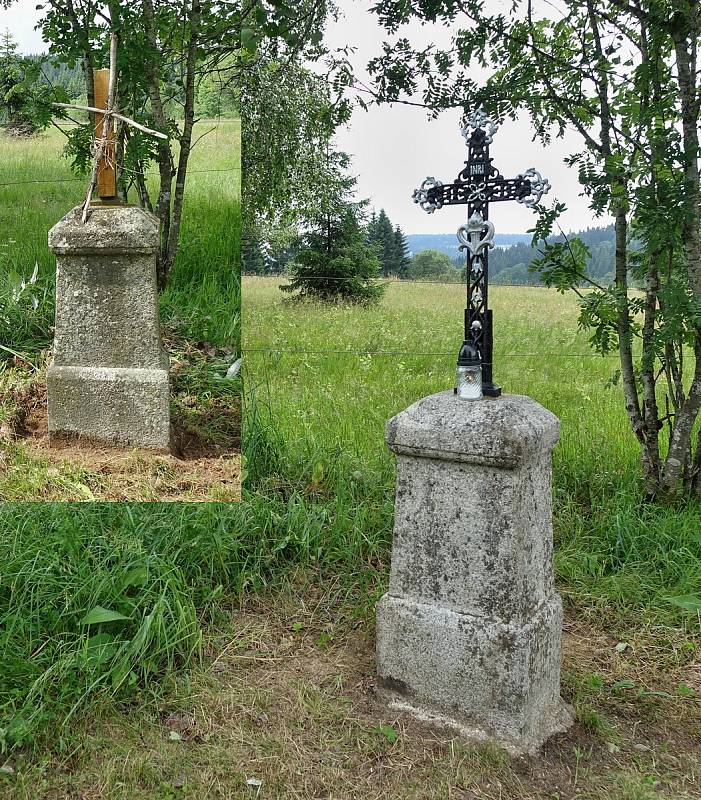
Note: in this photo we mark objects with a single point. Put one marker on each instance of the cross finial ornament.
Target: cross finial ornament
(479, 184)
(103, 176)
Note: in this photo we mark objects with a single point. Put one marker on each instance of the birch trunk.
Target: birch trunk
(684, 34)
(195, 16)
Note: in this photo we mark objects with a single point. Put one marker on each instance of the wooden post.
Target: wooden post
(106, 173)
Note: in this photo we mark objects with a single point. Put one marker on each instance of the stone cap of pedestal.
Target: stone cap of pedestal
(503, 432)
(109, 230)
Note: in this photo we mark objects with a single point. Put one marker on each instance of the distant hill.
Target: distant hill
(448, 242)
(509, 260)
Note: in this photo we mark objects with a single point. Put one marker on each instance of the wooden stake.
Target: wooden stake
(106, 173)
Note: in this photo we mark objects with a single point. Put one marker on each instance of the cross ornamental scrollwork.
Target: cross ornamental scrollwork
(479, 184)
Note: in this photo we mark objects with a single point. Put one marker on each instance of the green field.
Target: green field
(236, 641)
(200, 312)
(329, 411)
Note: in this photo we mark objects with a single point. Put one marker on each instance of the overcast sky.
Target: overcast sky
(395, 147)
(21, 20)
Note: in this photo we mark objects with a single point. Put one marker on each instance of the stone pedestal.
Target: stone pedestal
(469, 634)
(109, 376)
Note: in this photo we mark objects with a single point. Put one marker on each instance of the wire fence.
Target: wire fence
(413, 353)
(284, 350)
(394, 280)
(82, 180)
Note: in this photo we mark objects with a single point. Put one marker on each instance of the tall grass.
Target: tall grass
(320, 492)
(108, 600)
(329, 411)
(37, 188)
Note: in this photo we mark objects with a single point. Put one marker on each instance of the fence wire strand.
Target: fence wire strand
(393, 281)
(82, 180)
(417, 354)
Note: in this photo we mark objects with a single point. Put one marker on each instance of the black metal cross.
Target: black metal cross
(479, 184)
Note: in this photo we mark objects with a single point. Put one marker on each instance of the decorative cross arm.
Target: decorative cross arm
(527, 188)
(479, 184)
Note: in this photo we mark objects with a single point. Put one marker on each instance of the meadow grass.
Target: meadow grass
(114, 601)
(37, 188)
(311, 542)
(614, 554)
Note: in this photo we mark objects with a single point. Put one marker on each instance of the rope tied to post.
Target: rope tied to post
(102, 146)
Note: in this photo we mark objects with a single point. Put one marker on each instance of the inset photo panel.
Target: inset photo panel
(119, 253)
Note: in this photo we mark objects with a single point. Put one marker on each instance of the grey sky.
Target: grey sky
(395, 148)
(21, 19)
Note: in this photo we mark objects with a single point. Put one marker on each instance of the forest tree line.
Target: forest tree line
(507, 265)
(24, 78)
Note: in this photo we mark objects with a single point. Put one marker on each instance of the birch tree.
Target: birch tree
(623, 75)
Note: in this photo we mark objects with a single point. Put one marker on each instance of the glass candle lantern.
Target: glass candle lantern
(469, 373)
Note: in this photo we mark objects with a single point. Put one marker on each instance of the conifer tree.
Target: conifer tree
(385, 239)
(336, 261)
(401, 254)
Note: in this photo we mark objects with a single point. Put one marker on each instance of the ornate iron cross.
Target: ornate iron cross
(479, 184)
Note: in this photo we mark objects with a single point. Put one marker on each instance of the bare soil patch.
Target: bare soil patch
(197, 468)
(284, 707)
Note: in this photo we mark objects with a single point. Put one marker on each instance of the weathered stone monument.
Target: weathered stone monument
(468, 635)
(109, 375)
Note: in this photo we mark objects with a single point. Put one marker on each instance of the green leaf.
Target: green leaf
(683, 690)
(249, 39)
(82, 488)
(388, 732)
(626, 683)
(120, 673)
(318, 473)
(99, 614)
(137, 576)
(689, 602)
(101, 648)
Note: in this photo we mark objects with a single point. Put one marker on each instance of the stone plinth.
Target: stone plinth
(469, 633)
(109, 376)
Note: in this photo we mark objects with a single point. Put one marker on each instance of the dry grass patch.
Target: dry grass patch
(284, 707)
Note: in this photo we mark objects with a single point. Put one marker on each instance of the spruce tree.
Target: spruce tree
(384, 237)
(401, 261)
(336, 261)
